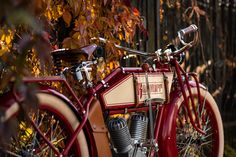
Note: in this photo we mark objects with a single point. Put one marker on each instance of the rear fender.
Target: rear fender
(11, 107)
(165, 136)
(9, 104)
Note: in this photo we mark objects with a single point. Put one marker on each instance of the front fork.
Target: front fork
(183, 84)
(179, 70)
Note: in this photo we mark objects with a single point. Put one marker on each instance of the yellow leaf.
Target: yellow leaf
(28, 132)
(48, 15)
(93, 13)
(3, 37)
(117, 64)
(111, 65)
(120, 36)
(22, 125)
(8, 39)
(2, 52)
(60, 9)
(76, 35)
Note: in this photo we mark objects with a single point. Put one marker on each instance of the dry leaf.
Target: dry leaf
(67, 17)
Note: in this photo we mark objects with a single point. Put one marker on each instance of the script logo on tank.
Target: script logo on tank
(155, 88)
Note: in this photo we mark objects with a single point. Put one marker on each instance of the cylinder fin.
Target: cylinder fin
(138, 127)
(120, 135)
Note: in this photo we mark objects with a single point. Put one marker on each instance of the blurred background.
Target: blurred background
(30, 29)
(214, 59)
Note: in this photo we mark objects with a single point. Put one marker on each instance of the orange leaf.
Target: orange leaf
(67, 17)
(111, 66)
(136, 12)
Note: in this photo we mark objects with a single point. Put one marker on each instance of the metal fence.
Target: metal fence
(217, 53)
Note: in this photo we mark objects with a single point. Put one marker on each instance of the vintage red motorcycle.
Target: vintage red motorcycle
(154, 110)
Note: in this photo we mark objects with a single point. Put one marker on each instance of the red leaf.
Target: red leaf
(135, 11)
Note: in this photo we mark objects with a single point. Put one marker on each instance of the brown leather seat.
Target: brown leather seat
(87, 51)
(69, 57)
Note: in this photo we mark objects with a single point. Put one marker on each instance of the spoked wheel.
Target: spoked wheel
(191, 143)
(56, 122)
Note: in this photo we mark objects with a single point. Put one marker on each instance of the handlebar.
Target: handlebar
(188, 30)
(181, 35)
(164, 56)
(131, 51)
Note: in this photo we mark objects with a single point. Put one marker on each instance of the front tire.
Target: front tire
(189, 142)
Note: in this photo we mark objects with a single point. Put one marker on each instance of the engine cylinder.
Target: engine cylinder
(120, 135)
(138, 127)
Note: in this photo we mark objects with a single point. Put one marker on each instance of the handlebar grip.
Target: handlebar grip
(188, 30)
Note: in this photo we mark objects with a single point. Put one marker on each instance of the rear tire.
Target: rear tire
(57, 121)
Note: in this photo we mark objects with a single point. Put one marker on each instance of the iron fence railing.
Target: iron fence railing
(218, 37)
(216, 54)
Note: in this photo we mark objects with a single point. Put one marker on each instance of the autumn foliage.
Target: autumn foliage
(29, 30)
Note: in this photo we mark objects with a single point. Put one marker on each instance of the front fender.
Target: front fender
(166, 140)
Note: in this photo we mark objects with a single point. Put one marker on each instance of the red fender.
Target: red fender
(8, 99)
(166, 140)
(11, 108)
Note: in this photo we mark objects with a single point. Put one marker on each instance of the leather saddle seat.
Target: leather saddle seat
(69, 57)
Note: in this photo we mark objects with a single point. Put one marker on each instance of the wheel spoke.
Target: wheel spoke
(32, 144)
(189, 141)
(47, 131)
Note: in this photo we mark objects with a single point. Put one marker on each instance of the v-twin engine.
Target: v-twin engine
(126, 141)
